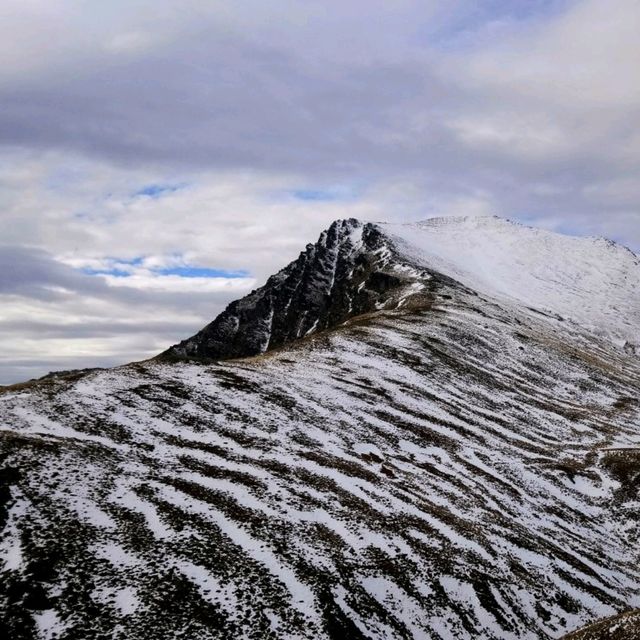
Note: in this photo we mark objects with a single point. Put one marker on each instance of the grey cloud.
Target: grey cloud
(34, 273)
(392, 97)
(231, 105)
(97, 329)
(60, 305)
(258, 97)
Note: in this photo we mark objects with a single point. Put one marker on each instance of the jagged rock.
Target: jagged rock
(347, 272)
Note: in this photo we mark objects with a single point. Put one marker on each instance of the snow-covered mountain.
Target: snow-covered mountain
(357, 268)
(590, 281)
(412, 431)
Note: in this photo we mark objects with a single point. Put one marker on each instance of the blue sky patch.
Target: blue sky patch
(199, 272)
(122, 268)
(158, 190)
(117, 273)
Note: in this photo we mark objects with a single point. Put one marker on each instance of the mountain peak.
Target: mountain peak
(358, 267)
(349, 271)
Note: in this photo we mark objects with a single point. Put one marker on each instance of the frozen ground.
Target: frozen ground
(453, 465)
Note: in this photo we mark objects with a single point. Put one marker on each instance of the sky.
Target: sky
(160, 159)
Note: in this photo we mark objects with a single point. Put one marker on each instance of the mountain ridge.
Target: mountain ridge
(352, 269)
(358, 267)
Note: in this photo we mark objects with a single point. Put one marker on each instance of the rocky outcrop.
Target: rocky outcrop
(347, 272)
(625, 626)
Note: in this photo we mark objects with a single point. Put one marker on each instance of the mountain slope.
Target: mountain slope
(450, 465)
(591, 281)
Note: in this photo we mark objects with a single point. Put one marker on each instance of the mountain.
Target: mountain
(589, 281)
(412, 431)
(358, 268)
(350, 271)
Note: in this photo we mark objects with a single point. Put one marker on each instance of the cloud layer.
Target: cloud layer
(224, 136)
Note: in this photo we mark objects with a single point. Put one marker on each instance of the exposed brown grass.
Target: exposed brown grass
(625, 626)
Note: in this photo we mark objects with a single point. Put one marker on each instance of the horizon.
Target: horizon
(162, 159)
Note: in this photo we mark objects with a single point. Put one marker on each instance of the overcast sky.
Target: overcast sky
(161, 158)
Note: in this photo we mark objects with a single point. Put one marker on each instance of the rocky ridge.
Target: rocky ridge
(351, 270)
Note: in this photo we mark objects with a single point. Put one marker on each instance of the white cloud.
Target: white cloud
(587, 57)
(131, 42)
(570, 87)
(512, 133)
(225, 114)
(152, 282)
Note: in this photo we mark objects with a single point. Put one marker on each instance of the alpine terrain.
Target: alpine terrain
(428, 430)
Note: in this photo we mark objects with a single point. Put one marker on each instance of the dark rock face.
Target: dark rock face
(346, 273)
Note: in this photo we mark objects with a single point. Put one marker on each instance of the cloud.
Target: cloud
(584, 58)
(54, 316)
(560, 94)
(225, 136)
